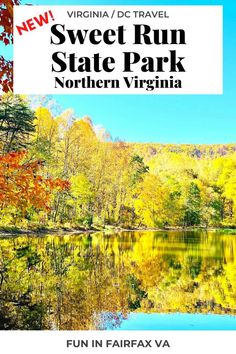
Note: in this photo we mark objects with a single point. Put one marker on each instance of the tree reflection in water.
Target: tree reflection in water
(95, 281)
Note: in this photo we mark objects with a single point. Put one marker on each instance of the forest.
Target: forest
(61, 171)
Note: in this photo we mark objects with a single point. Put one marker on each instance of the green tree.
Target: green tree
(193, 206)
(139, 168)
(16, 123)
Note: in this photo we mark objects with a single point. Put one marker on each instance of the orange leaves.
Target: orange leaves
(6, 20)
(22, 187)
(6, 36)
(13, 157)
(6, 74)
(57, 184)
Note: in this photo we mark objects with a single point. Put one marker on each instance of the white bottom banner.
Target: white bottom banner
(61, 342)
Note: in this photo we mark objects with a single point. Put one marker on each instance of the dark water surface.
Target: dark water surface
(131, 280)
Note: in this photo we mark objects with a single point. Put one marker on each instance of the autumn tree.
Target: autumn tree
(150, 202)
(6, 36)
(22, 188)
(81, 199)
(45, 137)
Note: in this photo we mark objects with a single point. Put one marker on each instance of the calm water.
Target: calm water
(131, 280)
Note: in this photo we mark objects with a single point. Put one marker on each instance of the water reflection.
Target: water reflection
(95, 281)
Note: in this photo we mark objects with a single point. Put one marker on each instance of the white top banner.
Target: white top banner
(118, 49)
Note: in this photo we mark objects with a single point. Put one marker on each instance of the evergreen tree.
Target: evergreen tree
(139, 167)
(16, 123)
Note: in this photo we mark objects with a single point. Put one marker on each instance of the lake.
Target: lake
(128, 280)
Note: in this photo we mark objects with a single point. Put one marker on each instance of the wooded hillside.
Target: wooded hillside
(83, 178)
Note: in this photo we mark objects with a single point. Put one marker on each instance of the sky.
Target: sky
(192, 119)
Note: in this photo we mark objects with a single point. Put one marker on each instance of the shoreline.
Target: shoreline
(76, 231)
